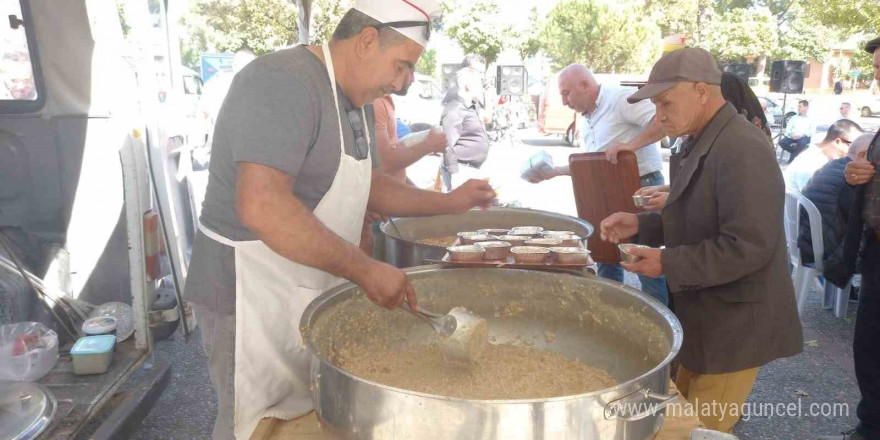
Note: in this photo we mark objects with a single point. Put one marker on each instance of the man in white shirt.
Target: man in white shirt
(835, 145)
(845, 110)
(800, 128)
(615, 125)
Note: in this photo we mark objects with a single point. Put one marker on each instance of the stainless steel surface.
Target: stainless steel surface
(603, 323)
(625, 256)
(26, 409)
(405, 251)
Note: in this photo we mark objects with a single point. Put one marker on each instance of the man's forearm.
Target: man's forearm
(401, 157)
(652, 134)
(389, 197)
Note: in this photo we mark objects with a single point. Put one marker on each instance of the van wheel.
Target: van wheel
(866, 112)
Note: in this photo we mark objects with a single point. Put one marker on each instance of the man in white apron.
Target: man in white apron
(290, 180)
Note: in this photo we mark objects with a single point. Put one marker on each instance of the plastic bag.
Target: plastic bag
(28, 350)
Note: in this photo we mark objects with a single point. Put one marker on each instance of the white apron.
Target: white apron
(271, 293)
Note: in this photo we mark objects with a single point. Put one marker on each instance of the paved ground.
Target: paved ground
(822, 374)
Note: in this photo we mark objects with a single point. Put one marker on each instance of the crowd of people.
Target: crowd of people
(307, 150)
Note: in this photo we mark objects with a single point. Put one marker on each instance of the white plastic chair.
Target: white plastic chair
(807, 278)
(791, 228)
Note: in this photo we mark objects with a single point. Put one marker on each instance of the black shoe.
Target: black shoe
(848, 435)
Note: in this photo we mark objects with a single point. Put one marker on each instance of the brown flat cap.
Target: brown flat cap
(689, 64)
(872, 45)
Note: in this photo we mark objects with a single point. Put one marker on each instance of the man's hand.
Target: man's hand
(649, 191)
(474, 192)
(656, 202)
(651, 264)
(373, 217)
(611, 152)
(386, 285)
(619, 227)
(542, 176)
(435, 142)
(859, 172)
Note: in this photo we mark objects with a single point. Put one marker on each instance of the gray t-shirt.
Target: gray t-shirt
(279, 112)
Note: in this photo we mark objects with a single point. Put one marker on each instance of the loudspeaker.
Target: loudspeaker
(447, 72)
(511, 80)
(787, 76)
(741, 70)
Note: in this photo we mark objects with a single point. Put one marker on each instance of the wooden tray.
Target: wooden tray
(601, 189)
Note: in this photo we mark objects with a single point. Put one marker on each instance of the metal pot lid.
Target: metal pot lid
(26, 409)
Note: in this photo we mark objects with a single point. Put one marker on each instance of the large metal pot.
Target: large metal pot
(402, 248)
(604, 323)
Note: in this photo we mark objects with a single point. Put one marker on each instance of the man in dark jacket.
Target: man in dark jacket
(863, 232)
(725, 259)
(833, 197)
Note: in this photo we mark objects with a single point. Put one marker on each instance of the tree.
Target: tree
(742, 33)
(526, 37)
(604, 37)
(325, 16)
(427, 64)
(805, 39)
(475, 26)
(229, 25)
(849, 16)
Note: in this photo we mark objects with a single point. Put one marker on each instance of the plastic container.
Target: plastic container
(28, 350)
(93, 354)
(100, 325)
(539, 164)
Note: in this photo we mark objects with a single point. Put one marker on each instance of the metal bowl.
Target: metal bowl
(532, 231)
(402, 248)
(495, 250)
(468, 252)
(570, 255)
(625, 256)
(529, 254)
(603, 323)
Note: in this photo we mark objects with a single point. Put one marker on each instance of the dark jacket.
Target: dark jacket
(833, 198)
(856, 228)
(725, 260)
(466, 139)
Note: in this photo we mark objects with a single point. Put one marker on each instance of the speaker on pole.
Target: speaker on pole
(447, 72)
(787, 76)
(511, 80)
(741, 70)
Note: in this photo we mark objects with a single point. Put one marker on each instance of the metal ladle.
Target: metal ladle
(463, 335)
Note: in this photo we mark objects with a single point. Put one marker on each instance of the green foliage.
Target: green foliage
(741, 33)
(526, 37)
(325, 16)
(474, 25)
(120, 9)
(850, 16)
(604, 37)
(862, 62)
(427, 64)
(229, 25)
(805, 39)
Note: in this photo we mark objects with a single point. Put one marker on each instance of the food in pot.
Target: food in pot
(439, 241)
(544, 242)
(529, 254)
(465, 253)
(495, 250)
(570, 255)
(495, 231)
(503, 372)
(533, 231)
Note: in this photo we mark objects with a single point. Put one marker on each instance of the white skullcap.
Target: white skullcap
(387, 11)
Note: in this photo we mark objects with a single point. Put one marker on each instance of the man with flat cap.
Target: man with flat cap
(725, 256)
(292, 174)
(863, 236)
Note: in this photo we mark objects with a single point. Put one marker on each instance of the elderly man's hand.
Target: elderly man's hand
(859, 172)
(474, 192)
(611, 152)
(373, 217)
(387, 286)
(542, 176)
(649, 191)
(656, 202)
(619, 227)
(651, 264)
